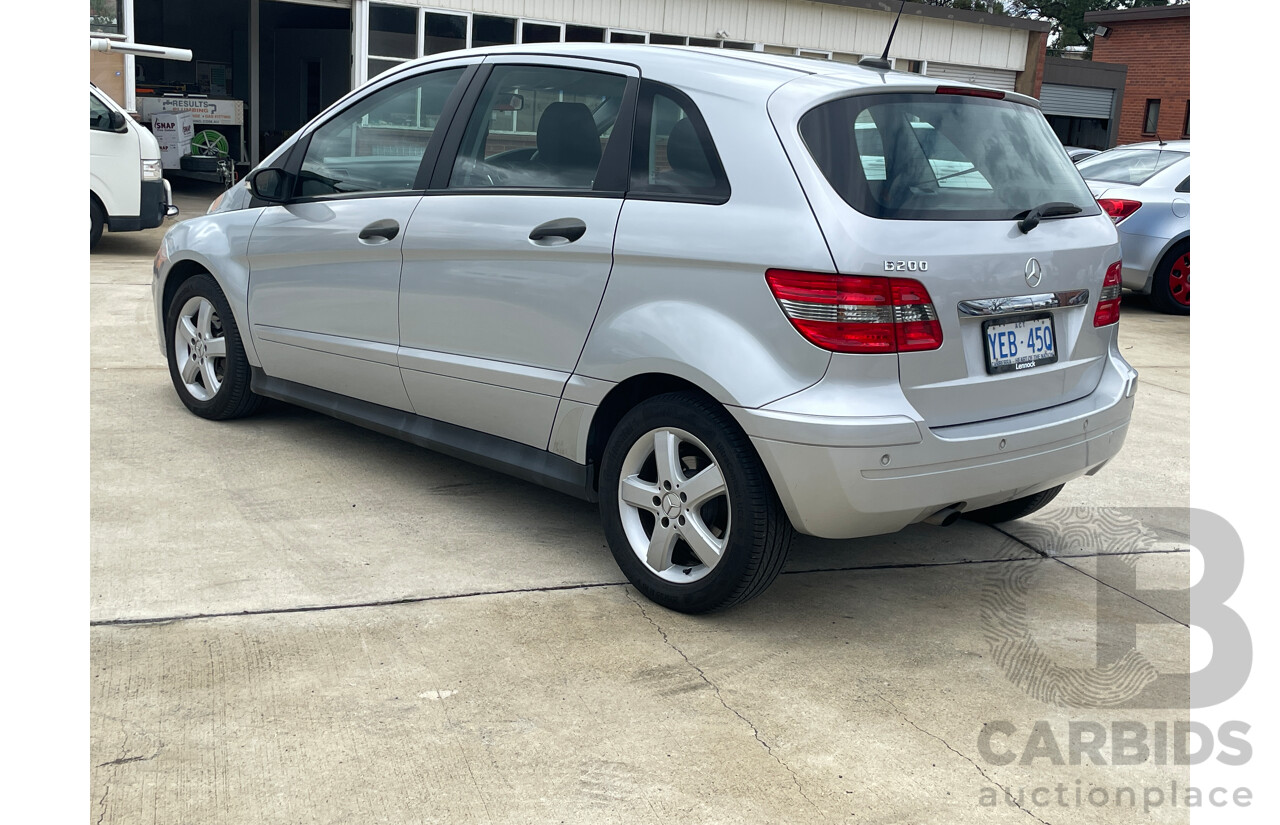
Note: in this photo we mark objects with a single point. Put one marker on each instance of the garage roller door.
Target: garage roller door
(1076, 101)
(991, 78)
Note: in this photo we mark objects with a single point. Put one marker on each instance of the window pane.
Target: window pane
(539, 33)
(445, 33)
(393, 31)
(104, 16)
(583, 34)
(702, 41)
(941, 157)
(666, 39)
(377, 67)
(492, 31)
(625, 37)
(1128, 166)
(1152, 120)
(99, 115)
(377, 144)
(676, 157)
(538, 126)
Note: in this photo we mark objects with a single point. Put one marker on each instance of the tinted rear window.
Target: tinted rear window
(941, 157)
(1131, 166)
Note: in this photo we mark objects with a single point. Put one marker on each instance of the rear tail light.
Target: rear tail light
(1108, 311)
(857, 313)
(1118, 208)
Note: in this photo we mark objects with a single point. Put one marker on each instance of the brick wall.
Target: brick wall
(1158, 54)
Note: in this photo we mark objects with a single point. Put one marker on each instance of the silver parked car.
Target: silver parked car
(1146, 189)
(727, 295)
(1079, 153)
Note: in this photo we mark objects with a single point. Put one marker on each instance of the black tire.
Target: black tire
(755, 532)
(1171, 283)
(1013, 510)
(97, 220)
(198, 163)
(225, 382)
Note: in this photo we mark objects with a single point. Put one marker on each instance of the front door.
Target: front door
(325, 267)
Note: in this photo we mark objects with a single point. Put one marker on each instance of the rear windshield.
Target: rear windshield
(941, 157)
(1131, 166)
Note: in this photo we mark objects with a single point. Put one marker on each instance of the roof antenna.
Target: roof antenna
(882, 62)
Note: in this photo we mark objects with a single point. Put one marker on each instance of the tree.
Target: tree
(1067, 16)
(995, 7)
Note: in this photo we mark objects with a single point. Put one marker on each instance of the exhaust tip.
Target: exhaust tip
(947, 515)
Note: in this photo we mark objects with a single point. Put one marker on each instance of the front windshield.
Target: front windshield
(941, 157)
(1129, 166)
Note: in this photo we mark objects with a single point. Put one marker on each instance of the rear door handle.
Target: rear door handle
(561, 230)
(380, 231)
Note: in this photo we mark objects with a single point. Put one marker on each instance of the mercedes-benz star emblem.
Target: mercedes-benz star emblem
(1034, 274)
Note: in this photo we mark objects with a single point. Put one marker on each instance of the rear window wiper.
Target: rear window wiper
(1030, 218)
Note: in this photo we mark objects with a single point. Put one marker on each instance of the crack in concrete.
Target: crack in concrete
(947, 745)
(755, 732)
(127, 759)
(1085, 573)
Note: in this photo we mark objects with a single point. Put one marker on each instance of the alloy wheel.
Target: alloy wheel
(674, 505)
(1180, 279)
(200, 348)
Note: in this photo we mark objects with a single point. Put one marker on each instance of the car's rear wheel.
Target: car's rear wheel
(206, 356)
(97, 220)
(689, 513)
(1171, 285)
(1016, 509)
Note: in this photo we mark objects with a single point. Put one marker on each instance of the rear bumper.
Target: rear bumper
(849, 477)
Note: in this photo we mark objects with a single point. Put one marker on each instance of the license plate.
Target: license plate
(1021, 343)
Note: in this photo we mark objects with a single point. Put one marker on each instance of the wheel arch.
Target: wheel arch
(627, 395)
(214, 246)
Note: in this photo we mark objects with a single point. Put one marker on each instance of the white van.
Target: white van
(127, 189)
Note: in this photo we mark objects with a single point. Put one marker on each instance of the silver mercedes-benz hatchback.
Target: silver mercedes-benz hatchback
(727, 295)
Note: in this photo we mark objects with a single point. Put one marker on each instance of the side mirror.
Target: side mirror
(115, 121)
(271, 184)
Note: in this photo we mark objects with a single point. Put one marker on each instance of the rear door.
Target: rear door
(325, 267)
(932, 186)
(507, 257)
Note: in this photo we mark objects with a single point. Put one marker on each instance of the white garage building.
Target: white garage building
(279, 62)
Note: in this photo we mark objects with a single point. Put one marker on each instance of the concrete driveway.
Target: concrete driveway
(294, 620)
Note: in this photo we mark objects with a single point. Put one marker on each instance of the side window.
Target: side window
(99, 115)
(377, 144)
(543, 127)
(673, 156)
(1185, 186)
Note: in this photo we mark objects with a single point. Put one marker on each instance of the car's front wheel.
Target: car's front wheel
(206, 356)
(690, 515)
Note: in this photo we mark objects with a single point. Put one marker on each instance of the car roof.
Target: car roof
(1168, 145)
(708, 62)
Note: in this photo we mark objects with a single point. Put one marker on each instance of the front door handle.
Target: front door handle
(380, 231)
(559, 231)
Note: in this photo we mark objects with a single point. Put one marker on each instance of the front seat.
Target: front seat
(690, 169)
(568, 147)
